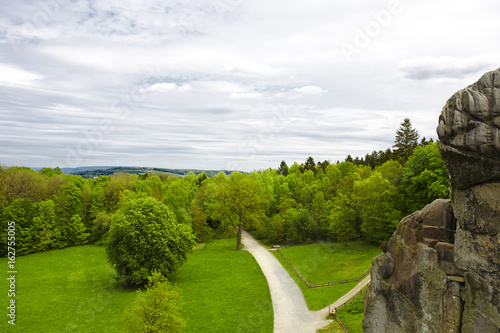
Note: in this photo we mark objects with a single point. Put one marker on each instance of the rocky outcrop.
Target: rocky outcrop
(441, 271)
(416, 286)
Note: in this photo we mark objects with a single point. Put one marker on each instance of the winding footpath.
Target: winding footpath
(290, 309)
(291, 314)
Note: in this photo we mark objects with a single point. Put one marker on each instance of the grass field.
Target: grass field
(73, 290)
(224, 291)
(351, 314)
(328, 262)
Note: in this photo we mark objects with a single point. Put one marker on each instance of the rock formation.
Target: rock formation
(441, 271)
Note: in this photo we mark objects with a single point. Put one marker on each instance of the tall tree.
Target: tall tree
(310, 164)
(406, 140)
(237, 201)
(283, 169)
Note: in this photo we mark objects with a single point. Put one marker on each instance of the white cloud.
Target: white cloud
(314, 90)
(162, 87)
(432, 67)
(12, 75)
(249, 95)
(169, 73)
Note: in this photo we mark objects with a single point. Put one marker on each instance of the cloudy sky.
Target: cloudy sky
(230, 84)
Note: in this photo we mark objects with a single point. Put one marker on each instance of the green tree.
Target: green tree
(101, 226)
(375, 199)
(67, 203)
(44, 233)
(283, 169)
(49, 172)
(179, 194)
(74, 232)
(145, 237)
(310, 164)
(237, 201)
(424, 179)
(406, 140)
(21, 212)
(344, 220)
(158, 309)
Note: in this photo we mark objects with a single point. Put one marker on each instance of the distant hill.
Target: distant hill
(91, 172)
(71, 170)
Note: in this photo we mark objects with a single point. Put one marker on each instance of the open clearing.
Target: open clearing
(73, 290)
(327, 262)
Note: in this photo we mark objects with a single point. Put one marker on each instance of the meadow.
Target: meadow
(351, 314)
(73, 290)
(325, 262)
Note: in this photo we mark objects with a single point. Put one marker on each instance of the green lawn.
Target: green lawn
(224, 291)
(352, 316)
(328, 262)
(72, 290)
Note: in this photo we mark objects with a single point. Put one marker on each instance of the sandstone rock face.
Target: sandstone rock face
(410, 289)
(469, 131)
(441, 272)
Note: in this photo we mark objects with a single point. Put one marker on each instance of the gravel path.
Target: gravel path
(290, 309)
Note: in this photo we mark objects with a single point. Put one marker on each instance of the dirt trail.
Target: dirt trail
(290, 309)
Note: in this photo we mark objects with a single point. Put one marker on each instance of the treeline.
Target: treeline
(160, 172)
(291, 204)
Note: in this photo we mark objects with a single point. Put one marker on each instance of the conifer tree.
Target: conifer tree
(406, 141)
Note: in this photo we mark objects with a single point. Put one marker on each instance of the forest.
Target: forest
(360, 198)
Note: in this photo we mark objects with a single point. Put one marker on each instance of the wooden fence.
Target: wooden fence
(324, 284)
(341, 322)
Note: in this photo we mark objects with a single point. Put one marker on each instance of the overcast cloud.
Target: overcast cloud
(229, 84)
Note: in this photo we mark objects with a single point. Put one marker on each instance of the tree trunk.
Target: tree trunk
(240, 229)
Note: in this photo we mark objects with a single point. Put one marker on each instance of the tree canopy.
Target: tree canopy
(361, 197)
(145, 237)
(236, 201)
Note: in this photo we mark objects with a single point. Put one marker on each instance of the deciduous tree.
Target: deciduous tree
(158, 309)
(237, 201)
(145, 237)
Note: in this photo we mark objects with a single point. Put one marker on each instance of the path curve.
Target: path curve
(348, 296)
(291, 314)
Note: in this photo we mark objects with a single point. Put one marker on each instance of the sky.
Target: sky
(230, 84)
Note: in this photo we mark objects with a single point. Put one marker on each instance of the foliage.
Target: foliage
(158, 309)
(300, 203)
(375, 199)
(236, 202)
(424, 179)
(145, 237)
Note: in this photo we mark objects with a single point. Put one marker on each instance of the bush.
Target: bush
(157, 309)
